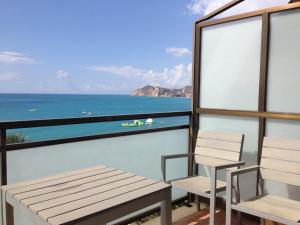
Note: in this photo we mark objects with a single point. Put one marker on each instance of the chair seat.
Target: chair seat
(197, 185)
(274, 206)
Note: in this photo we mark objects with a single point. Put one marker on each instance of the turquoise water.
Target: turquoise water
(47, 106)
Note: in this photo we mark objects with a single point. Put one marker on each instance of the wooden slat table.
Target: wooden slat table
(96, 195)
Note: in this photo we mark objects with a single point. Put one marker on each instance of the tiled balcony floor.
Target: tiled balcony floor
(190, 216)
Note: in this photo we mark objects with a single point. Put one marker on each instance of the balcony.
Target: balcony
(248, 83)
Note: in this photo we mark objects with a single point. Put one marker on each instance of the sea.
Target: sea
(15, 107)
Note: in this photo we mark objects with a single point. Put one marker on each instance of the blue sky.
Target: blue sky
(100, 47)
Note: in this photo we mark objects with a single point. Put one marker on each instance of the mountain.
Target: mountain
(157, 91)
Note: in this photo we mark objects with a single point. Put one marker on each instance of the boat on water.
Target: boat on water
(135, 123)
(149, 121)
(86, 113)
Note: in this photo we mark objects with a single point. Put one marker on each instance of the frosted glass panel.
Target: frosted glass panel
(230, 62)
(139, 154)
(284, 62)
(284, 129)
(249, 127)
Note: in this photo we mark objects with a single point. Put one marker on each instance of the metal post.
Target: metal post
(190, 150)
(3, 157)
(264, 55)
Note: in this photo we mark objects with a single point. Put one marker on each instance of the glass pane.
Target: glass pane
(283, 129)
(284, 67)
(230, 62)
(249, 127)
(140, 154)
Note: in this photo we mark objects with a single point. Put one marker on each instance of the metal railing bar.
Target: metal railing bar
(244, 113)
(83, 120)
(20, 146)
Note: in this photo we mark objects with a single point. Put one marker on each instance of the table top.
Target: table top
(72, 195)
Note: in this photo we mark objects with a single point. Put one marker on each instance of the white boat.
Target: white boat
(149, 121)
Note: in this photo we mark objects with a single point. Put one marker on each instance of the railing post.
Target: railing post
(190, 159)
(190, 150)
(3, 156)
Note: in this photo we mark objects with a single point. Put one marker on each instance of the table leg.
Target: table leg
(166, 209)
(9, 214)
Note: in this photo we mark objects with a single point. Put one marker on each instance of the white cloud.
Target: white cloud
(178, 76)
(103, 88)
(173, 77)
(9, 76)
(61, 74)
(190, 68)
(121, 70)
(196, 6)
(178, 52)
(203, 7)
(15, 57)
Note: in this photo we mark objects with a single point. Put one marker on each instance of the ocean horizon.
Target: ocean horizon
(16, 106)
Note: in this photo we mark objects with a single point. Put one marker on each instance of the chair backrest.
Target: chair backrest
(281, 160)
(214, 148)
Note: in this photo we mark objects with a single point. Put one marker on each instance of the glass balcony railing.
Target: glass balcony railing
(134, 150)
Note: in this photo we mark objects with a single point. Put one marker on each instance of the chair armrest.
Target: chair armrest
(243, 170)
(230, 175)
(214, 170)
(176, 156)
(230, 165)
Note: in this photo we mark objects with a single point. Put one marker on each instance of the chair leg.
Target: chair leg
(166, 209)
(262, 221)
(228, 213)
(236, 187)
(9, 214)
(198, 202)
(212, 207)
(240, 218)
(228, 199)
